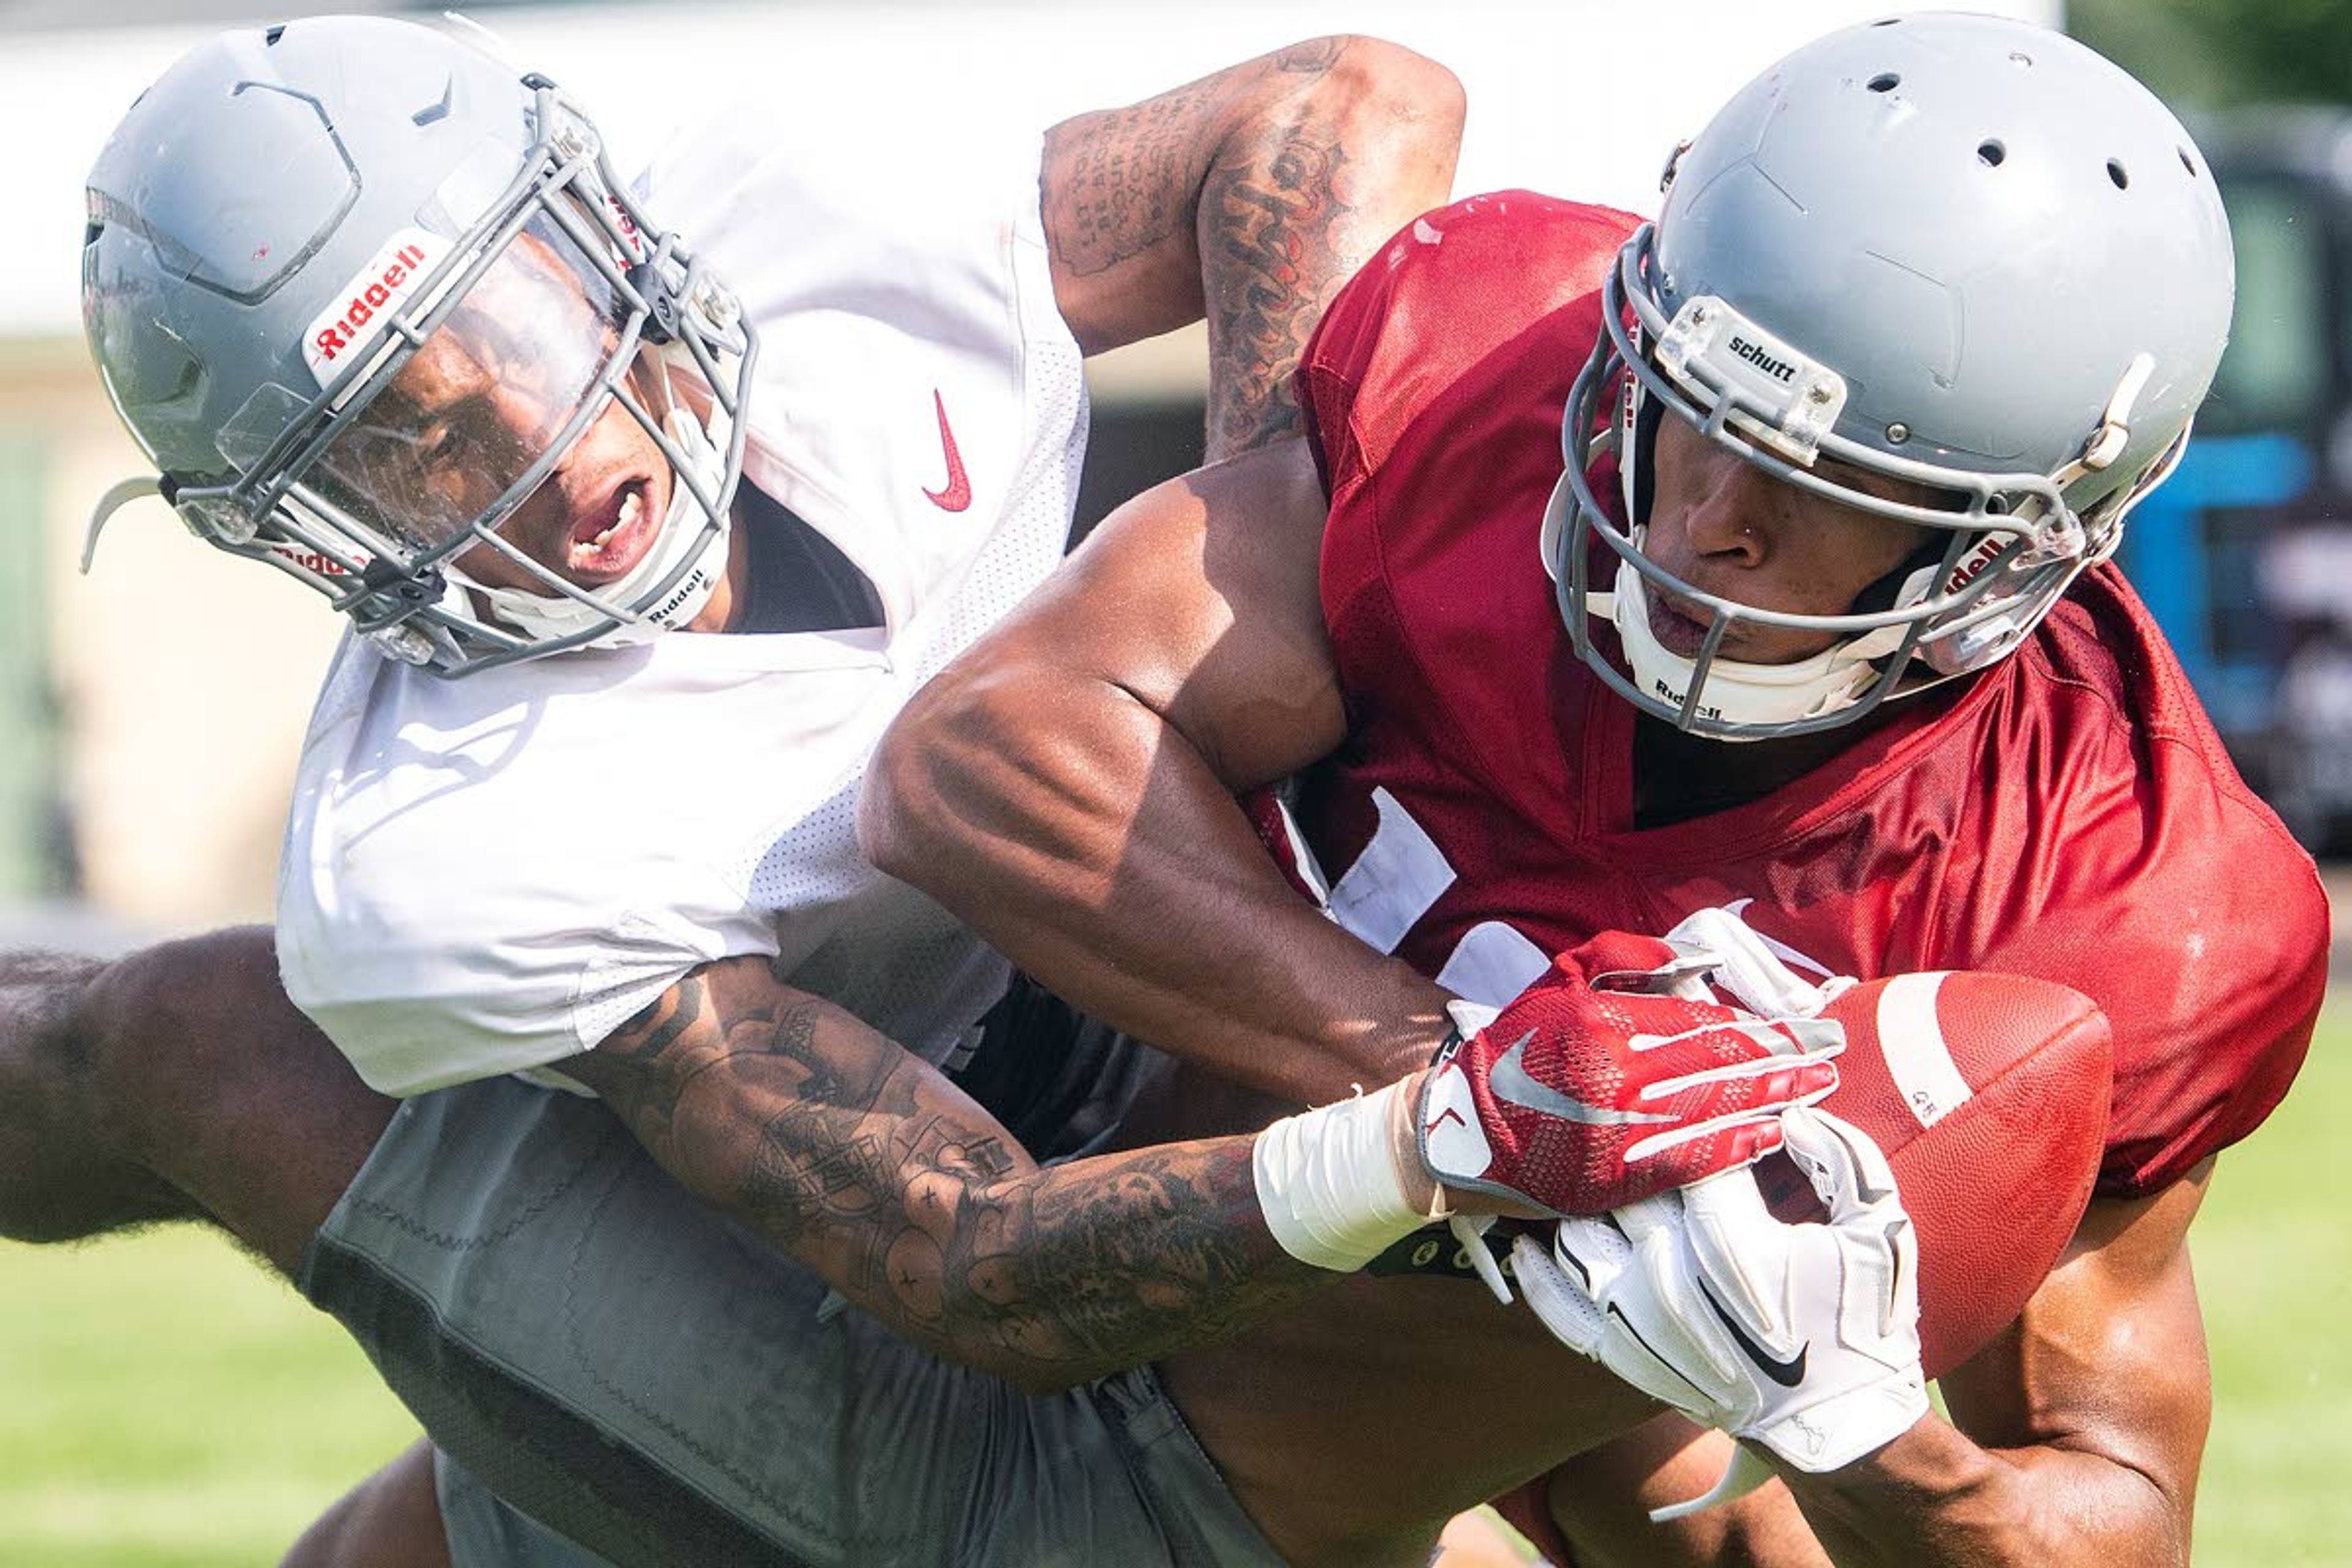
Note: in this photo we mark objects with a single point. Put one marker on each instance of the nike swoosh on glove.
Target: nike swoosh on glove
(1802, 1337)
(1615, 1076)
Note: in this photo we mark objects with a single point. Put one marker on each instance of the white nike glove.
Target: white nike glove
(1804, 1338)
(1755, 972)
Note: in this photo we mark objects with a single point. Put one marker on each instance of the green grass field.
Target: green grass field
(163, 1404)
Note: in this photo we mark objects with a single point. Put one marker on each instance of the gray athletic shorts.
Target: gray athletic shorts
(593, 1346)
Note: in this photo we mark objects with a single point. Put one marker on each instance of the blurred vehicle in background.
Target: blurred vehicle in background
(2245, 556)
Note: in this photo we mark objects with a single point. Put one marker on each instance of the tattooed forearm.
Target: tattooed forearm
(1100, 1265)
(1272, 231)
(1122, 188)
(1128, 179)
(1248, 196)
(866, 1163)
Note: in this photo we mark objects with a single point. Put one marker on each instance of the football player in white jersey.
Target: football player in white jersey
(451, 370)
(453, 374)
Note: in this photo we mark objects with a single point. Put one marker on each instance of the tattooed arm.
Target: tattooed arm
(1248, 196)
(863, 1162)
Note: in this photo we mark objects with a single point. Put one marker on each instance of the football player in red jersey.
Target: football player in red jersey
(1348, 1426)
(181, 1081)
(1816, 620)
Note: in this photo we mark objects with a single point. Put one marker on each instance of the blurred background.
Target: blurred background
(160, 1403)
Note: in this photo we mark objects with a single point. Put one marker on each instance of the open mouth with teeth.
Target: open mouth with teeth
(611, 536)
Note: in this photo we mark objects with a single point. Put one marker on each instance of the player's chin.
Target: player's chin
(1777, 651)
(1754, 643)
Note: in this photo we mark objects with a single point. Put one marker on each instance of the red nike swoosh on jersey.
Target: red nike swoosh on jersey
(957, 495)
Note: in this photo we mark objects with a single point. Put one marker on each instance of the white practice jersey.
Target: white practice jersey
(487, 874)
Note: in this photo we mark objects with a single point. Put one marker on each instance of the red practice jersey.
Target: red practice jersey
(2069, 814)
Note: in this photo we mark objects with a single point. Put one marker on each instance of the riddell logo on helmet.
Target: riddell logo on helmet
(309, 560)
(1668, 693)
(369, 301)
(1974, 564)
(696, 581)
(1763, 359)
(333, 340)
(632, 242)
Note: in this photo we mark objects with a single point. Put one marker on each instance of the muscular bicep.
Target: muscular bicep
(2108, 1358)
(1199, 600)
(1068, 787)
(1186, 634)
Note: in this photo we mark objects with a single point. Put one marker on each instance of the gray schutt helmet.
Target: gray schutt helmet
(284, 220)
(1960, 252)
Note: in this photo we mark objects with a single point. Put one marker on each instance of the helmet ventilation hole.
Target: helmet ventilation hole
(1885, 81)
(2186, 161)
(2117, 175)
(1991, 153)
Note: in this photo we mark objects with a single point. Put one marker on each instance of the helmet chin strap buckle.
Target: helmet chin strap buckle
(2063, 535)
(2107, 442)
(661, 302)
(402, 642)
(388, 597)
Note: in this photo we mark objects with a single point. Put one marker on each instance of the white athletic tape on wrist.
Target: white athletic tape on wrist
(1329, 1184)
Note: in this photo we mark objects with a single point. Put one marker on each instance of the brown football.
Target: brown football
(1989, 1094)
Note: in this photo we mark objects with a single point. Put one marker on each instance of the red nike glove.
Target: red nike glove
(1609, 1079)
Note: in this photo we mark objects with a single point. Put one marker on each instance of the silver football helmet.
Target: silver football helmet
(357, 286)
(1958, 252)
